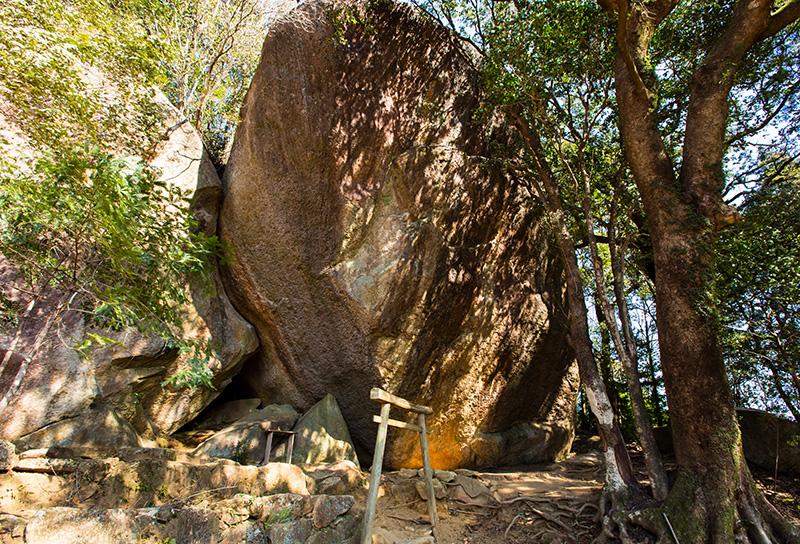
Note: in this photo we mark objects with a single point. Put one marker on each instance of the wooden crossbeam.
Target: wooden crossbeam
(399, 424)
(384, 396)
(387, 400)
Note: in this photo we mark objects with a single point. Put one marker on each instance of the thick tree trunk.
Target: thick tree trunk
(713, 491)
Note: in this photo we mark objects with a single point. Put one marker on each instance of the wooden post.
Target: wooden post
(289, 448)
(375, 479)
(387, 400)
(426, 463)
(268, 449)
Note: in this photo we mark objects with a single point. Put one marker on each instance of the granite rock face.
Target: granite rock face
(375, 244)
(126, 376)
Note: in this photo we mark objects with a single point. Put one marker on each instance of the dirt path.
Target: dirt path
(542, 504)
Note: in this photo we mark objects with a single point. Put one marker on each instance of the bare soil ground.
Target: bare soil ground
(543, 503)
(547, 504)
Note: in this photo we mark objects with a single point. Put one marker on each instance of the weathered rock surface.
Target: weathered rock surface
(101, 483)
(59, 384)
(322, 436)
(277, 416)
(765, 438)
(770, 442)
(245, 441)
(80, 527)
(98, 427)
(375, 244)
(226, 413)
(241, 442)
(226, 522)
(340, 479)
(327, 508)
(8, 455)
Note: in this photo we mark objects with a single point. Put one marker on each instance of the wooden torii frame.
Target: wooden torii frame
(387, 400)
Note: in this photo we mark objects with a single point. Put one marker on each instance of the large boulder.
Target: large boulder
(376, 245)
(128, 373)
(322, 436)
(770, 442)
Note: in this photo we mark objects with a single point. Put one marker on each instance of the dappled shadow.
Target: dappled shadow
(378, 239)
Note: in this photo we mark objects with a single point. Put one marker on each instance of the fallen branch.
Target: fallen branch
(510, 525)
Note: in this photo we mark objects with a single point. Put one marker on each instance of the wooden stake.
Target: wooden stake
(289, 448)
(268, 449)
(375, 479)
(426, 463)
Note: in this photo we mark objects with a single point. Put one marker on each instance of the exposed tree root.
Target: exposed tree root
(755, 520)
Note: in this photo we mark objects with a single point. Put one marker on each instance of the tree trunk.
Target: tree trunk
(655, 397)
(604, 359)
(620, 478)
(627, 354)
(714, 490)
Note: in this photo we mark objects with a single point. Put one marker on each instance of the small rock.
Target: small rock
(420, 540)
(439, 491)
(343, 478)
(409, 473)
(445, 476)
(329, 507)
(382, 536)
(327, 535)
(332, 485)
(243, 442)
(8, 455)
(292, 532)
(262, 507)
(196, 525)
(11, 524)
(165, 513)
(457, 494)
(255, 534)
(471, 486)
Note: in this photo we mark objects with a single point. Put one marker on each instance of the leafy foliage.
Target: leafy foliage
(214, 47)
(195, 372)
(82, 216)
(56, 58)
(759, 289)
(103, 228)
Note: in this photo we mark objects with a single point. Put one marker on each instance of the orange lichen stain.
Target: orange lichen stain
(447, 450)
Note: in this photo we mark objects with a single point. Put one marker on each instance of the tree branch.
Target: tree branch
(785, 16)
